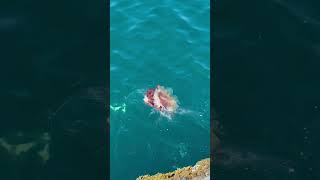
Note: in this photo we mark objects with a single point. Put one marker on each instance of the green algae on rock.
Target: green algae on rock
(200, 171)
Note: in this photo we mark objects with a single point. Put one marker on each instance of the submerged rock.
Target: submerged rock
(200, 171)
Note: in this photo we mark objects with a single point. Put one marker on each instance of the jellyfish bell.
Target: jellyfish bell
(161, 99)
(148, 98)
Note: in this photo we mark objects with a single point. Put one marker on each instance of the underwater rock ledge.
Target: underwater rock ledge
(200, 171)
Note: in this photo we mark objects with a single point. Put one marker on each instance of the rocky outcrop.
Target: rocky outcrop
(200, 171)
(22, 144)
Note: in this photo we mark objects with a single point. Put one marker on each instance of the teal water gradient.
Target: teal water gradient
(166, 43)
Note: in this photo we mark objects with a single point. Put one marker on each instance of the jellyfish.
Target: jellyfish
(161, 99)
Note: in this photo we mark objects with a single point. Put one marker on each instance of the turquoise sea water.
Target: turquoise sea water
(165, 43)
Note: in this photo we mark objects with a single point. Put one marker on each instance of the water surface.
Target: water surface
(165, 43)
